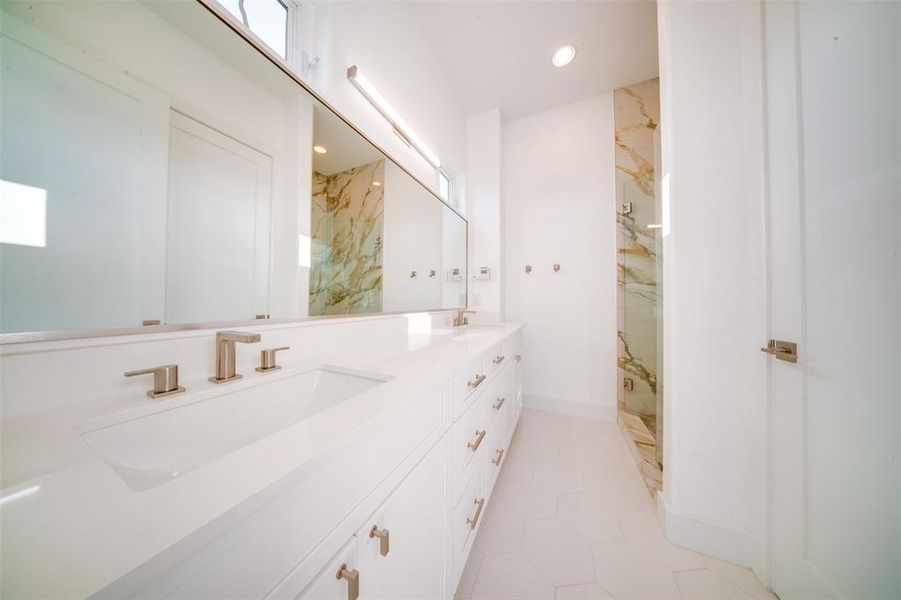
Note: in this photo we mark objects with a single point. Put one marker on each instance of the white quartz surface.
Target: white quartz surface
(71, 525)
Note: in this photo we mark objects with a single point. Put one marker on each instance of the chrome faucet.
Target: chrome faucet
(225, 353)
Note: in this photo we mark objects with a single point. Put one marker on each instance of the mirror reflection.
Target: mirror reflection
(157, 169)
(380, 241)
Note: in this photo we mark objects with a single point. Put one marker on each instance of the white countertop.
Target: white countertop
(69, 525)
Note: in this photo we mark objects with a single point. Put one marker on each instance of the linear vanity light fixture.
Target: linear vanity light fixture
(400, 126)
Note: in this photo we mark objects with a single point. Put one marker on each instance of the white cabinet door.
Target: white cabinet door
(328, 585)
(410, 563)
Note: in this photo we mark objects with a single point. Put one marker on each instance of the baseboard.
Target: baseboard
(570, 407)
(708, 538)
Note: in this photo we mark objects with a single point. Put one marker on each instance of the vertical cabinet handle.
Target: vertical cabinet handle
(518, 357)
(384, 539)
(500, 455)
(474, 519)
(353, 581)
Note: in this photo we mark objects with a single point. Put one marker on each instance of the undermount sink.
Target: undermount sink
(151, 449)
(479, 331)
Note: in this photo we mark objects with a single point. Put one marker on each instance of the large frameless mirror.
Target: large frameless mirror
(156, 168)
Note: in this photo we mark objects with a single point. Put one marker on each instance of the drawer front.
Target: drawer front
(498, 357)
(496, 398)
(280, 538)
(470, 379)
(469, 444)
(508, 412)
(495, 453)
(467, 514)
(327, 585)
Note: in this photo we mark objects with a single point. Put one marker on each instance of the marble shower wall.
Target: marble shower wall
(636, 116)
(347, 228)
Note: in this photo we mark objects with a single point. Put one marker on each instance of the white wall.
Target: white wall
(714, 488)
(385, 40)
(483, 208)
(559, 207)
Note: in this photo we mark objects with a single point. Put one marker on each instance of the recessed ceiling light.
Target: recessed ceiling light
(376, 183)
(319, 150)
(564, 55)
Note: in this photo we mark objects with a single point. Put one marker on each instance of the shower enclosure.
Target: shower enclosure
(639, 290)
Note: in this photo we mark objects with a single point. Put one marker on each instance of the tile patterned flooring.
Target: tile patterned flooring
(571, 519)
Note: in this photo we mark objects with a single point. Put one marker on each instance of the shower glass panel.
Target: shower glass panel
(636, 116)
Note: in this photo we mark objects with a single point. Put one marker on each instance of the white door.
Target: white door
(83, 146)
(414, 519)
(220, 193)
(834, 144)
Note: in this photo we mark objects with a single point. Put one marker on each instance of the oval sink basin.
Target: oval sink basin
(148, 450)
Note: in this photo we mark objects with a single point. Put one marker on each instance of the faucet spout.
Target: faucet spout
(225, 353)
(237, 336)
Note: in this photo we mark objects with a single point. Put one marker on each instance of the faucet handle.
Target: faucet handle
(165, 380)
(267, 359)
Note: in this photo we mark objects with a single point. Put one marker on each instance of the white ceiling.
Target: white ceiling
(497, 54)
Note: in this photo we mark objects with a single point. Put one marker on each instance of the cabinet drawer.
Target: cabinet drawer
(507, 411)
(327, 585)
(469, 443)
(496, 399)
(468, 512)
(497, 357)
(469, 380)
(495, 452)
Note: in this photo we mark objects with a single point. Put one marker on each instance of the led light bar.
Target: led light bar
(400, 126)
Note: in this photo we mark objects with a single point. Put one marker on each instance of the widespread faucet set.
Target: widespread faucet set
(165, 377)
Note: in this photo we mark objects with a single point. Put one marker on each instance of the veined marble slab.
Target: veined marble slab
(636, 118)
(347, 229)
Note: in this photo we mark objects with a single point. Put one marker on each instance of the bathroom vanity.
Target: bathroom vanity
(202, 195)
(341, 475)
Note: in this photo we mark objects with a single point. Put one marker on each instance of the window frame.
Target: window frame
(293, 43)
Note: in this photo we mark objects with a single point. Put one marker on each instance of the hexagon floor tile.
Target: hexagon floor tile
(571, 519)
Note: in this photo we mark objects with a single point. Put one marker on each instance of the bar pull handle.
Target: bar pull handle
(476, 382)
(268, 359)
(353, 581)
(787, 351)
(500, 455)
(500, 402)
(498, 359)
(474, 519)
(384, 539)
(480, 435)
(518, 357)
(165, 380)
